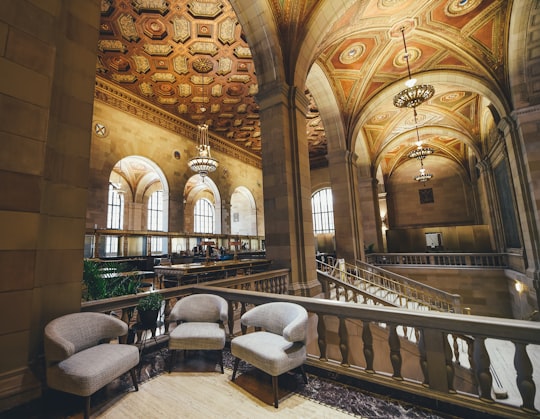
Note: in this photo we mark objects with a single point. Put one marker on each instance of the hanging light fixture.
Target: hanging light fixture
(423, 176)
(420, 152)
(203, 163)
(414, 94)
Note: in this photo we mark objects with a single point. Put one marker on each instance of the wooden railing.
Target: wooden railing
(465, 260)
(342, 340)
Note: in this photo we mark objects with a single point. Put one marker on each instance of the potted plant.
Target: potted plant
(148, 308)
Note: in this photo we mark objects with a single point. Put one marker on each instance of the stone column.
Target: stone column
(521, 138)
(371, 215)
(44, 160)
(491, 205)
(347, 209)
(287, 188)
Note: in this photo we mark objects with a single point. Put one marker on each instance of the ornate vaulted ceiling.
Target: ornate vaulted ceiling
(192, 59)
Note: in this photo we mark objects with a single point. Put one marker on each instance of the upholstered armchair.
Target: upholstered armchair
(278, 345)
(79, 358)
(201, 320)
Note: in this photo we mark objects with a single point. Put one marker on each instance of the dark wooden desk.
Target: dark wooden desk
(206, 271)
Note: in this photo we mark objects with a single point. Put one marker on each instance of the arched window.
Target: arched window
(115, 219)
(323, 211)
(203, 216)
(155, 220)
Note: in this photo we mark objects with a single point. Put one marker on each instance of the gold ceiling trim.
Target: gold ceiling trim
(112, 95)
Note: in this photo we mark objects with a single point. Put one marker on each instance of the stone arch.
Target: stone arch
(243, 212)
(197, 188)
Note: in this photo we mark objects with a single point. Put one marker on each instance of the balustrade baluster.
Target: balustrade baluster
(230, 319)
(524, 378)
(367, 339)
(481, 369)
(343, 342)
(242, 312)
(456, 352)
(321, 337)
(450, 371)
(395, 352)
(423, 359)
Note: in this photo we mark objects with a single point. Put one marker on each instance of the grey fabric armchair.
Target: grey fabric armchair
(79, 362)
(279, 346)
(201, 320)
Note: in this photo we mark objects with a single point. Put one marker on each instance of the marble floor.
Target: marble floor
(336, 392)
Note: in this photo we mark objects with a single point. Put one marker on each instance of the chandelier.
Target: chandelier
(423, 176)
(203, 163)
(420, 152)
(414, 94)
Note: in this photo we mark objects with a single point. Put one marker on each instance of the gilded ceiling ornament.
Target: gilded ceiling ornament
(452, 97)
(146, 89)
(242, 52)
(184, 90)
(142, 65)
(242, 108)
(226, 30)
(124, 78)
(208, 8)
(224, 66)
(127, 27)
(201, 47)
(167, 100)
(158, 49)
(154, 28)
(111, 45)
(119, 63)
(203, 65)
(159, 6)
(181, 28)
(239, 78)
(386, 4)
(352, 53)
(106, 7)
(182, 109)
(180, 64)
(217, 90)
(160, 77)
(460, 7)
(201, 80)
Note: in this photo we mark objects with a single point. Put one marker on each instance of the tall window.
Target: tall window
(155, 220)
(115, 219)
(203, 216)
(155, 211)
(323, 211)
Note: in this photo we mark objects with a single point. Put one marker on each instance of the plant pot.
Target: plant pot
(148, 318)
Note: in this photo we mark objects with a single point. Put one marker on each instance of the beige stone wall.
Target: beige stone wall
(452, 192)
(47, 62)
(131, 136)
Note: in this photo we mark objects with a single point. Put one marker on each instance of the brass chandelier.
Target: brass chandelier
(420, 152)
(203, 163)
(423, 176)
(414, 94)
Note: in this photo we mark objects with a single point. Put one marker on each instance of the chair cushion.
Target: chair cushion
(197, 335)
(87, 371)
(269, 352)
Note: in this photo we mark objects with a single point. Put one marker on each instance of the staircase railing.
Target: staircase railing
(465, 260)
(400, 290)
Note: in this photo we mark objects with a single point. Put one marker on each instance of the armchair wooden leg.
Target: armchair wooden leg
(275, 389)
(134, 379)
(221, 360)
(236, 362)
(87, 407)
(304, 376)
